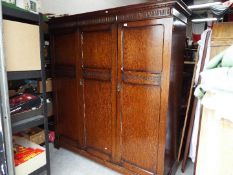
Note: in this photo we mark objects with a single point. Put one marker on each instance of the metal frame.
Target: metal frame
(43, 75)
(25, 17)
(3, 166)
(5, 104)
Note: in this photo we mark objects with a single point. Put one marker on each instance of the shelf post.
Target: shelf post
(5, 104)
(43, 75)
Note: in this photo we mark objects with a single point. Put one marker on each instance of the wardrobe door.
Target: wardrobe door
(64, 53)
(98, 45)
(140, 62)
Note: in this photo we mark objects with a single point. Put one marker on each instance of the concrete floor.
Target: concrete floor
(64, 162)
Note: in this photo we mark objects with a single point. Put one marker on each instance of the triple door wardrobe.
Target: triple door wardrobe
(117, 83)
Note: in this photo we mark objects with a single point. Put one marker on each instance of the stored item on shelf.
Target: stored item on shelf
(28, 87)
(22, 46)
(24, 4)
(23, 154)
(12, 93)
(49, 87)
(35, 135)
(29, 156)
(51, 136)
(22, 86)
(24, 102)
(30, 5)
(9, 1)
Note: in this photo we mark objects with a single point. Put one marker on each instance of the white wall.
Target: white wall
(59, 7)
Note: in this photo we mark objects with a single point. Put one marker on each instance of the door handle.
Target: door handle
(81, 82)
(118, 87)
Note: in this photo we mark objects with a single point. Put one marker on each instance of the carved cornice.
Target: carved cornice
(155, 13)
(139, 15)
(71, 24)
(149, 10)
(100, 20)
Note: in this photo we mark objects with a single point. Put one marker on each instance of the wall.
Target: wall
(59, 7)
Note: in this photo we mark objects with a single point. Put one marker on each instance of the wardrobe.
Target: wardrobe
(117, 81)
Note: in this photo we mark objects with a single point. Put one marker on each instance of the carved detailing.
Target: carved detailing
(101, 20)
(142, 78)
(166, 11)
(97, 74)
(158, 12)
(64, 25)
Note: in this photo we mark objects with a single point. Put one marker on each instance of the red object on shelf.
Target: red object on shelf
(22, 99)
(51, 136)
(23, 154)
(196, 37)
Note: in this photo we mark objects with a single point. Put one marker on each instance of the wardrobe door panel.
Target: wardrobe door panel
(64, 53)
(97, 97)
(142, 48)
(64, 46)
(99, 94)
(140, 66)
(140, 125)
(97, 49)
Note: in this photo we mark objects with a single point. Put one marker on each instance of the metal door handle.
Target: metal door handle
(81, 82)
(118, 87)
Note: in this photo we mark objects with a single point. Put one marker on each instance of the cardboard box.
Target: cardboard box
(22, 46)
(31, 5)
(12, 93)
(35, 135)
(33, 164)
(49, 87)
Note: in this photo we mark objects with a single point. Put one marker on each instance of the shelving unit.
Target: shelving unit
(23, 121)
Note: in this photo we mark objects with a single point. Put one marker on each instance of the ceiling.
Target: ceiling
(60, 7)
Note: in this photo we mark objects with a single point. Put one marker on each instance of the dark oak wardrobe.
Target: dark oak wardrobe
(117, 81)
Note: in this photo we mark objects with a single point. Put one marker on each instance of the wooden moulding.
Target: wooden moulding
(142, 78)
(104, 75)
(149, 10)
